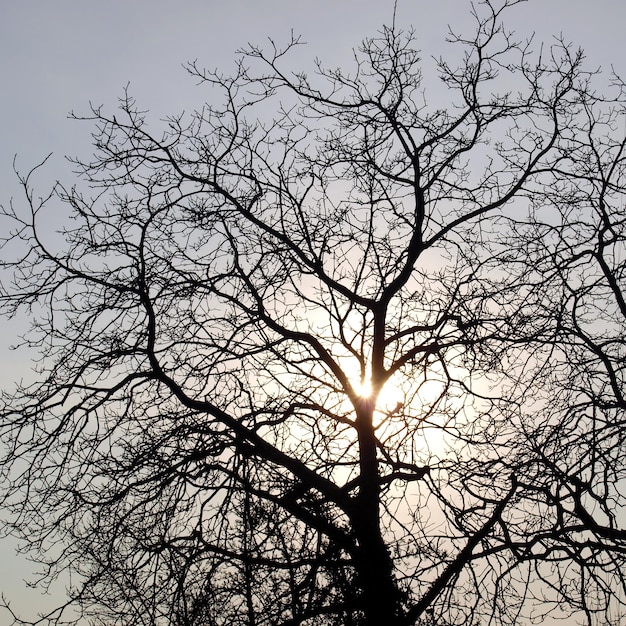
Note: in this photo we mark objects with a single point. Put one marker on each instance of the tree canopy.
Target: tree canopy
(327, 352)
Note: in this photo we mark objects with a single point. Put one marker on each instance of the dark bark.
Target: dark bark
(382, 600)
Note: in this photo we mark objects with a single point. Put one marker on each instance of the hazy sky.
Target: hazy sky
(60, 55)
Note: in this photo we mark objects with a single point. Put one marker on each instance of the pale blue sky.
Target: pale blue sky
(58, 55)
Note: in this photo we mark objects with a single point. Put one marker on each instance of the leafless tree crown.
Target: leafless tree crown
(326, 352)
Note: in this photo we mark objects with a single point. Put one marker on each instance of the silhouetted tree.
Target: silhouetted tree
(326, 353)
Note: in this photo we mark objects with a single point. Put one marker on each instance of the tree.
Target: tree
(325, 353)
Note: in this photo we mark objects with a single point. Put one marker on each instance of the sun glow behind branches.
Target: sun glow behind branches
(427, 411)
(389, 397)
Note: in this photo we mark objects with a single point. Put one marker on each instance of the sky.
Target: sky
(58, 56)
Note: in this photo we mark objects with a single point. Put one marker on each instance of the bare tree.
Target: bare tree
(325, 353)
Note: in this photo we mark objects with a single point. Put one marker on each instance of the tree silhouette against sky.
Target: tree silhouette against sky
(325, 352)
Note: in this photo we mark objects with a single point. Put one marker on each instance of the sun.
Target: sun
(389, 397)
(363, 388)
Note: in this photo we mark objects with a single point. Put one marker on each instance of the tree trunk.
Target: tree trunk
(381, 598)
